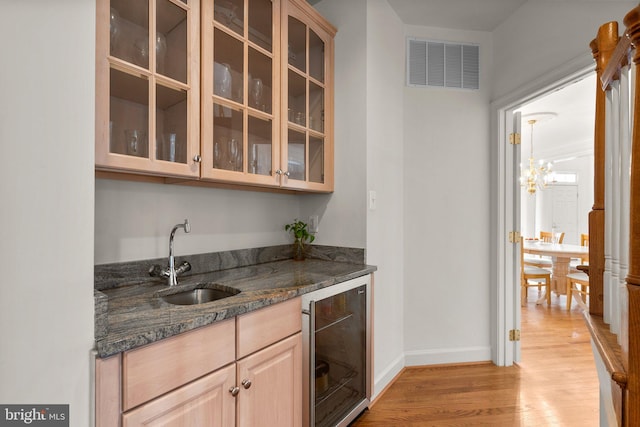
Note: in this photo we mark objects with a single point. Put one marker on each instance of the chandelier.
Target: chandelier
(536, 177)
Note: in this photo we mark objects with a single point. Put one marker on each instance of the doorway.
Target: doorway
(509, 195)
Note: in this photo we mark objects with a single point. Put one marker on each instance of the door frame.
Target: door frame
(505, 274)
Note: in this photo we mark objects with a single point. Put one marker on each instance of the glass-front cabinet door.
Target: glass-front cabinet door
(307, 137)
(240, 91)
(147, 86)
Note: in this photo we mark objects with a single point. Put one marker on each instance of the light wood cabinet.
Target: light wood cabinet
(307, 81)
(271, 386)
(244, 371)
(254, 108)
(148, 86)
(204, 402)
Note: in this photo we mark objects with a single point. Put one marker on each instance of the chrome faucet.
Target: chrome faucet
(171, 272)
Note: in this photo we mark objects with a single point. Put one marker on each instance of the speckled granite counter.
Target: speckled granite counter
(131, 313)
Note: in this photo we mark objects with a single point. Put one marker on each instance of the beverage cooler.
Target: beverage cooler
(336, 329)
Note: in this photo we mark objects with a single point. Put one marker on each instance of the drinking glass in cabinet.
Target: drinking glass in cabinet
(222, 77)
(129, 31)
(136, 142)
(171, 119)
(114, 29)
(128, 111)
(297, 98)
(227, 154)
(228, 139)
(259, 140)
(256, 93)
(295, 155)
(260, 80)
(228, 66)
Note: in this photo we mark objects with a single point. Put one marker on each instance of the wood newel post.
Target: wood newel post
(602, 48)
(632, 22)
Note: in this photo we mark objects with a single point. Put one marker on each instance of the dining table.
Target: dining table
(560, 254)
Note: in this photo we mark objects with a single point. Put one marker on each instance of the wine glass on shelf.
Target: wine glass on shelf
(141, 51)
(161, 50)
(233, 153)
(114, 29)
(257, 88)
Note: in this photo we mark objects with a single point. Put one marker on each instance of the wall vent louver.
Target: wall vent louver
(442, 64)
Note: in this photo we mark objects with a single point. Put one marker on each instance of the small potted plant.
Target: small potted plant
(301, 235)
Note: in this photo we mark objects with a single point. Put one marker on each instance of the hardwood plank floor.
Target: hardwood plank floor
(555, 384)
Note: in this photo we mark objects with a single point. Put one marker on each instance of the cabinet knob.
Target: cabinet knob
(234, 391)
(287, 173)
(197, 158)
(246, 383)
(279, 172)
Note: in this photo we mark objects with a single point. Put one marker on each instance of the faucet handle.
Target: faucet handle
(157, 271)
(183, 268)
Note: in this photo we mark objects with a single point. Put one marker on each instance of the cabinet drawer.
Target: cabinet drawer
(160, 367)
(205, 402)
(266, 326)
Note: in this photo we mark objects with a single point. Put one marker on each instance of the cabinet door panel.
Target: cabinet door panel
(307, 159)
(274, 397)
(240, 92)
(147, 86)
(205, 402)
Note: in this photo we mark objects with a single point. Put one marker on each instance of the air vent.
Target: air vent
(442, 64)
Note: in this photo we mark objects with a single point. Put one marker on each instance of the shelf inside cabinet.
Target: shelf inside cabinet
(129, 87)
(326, 321)
(338, 396)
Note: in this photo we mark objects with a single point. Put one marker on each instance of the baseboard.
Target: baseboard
(387, 376)
(447, 355)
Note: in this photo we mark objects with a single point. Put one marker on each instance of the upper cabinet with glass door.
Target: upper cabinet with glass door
(307, 136)
(147, 86)
(240, 90)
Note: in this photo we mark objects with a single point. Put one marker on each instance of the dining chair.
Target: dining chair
(578, 286)
(533, 276)
(542, 261)
(547, 236)
(584, 260)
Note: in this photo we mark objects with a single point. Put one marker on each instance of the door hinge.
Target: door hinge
(514, 237)
(514, 138)
(514, 335)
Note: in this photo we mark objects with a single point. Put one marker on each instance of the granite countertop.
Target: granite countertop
(133, 315)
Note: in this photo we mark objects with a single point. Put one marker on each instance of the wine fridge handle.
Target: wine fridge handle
(312, 362)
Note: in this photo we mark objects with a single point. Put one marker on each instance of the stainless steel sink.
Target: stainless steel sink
(200, 295)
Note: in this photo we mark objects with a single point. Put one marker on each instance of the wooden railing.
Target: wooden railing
(614, 247)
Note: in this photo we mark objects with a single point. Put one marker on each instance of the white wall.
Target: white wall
(385, 157)
(543, 36)
(446, 205)
(133, 220)
(46, 182)
(343, 214)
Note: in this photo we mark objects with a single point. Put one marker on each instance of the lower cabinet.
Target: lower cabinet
(271, 386)
(244, 372)
(266, 385)
(204, 402)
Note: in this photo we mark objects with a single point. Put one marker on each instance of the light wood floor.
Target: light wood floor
(555, 384)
